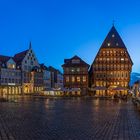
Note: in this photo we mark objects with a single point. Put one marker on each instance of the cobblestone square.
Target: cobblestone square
(69, 119)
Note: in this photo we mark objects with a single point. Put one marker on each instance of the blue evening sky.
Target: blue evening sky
(60, 29)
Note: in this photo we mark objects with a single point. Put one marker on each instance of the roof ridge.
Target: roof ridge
(113, 40)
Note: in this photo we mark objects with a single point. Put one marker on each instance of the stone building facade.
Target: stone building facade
(56, 78)
(37, 79)
(46, 77)
(10, 76)
(26, 61)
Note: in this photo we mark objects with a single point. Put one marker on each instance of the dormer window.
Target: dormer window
(11, 66)
(108, 44)
(75, 61)
(113, 35)
(117, 44)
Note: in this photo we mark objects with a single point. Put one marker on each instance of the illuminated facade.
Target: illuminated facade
(10, 76)
(136, 88)
(75, 73)
(111, 68)
(26, 61)
(22, 74)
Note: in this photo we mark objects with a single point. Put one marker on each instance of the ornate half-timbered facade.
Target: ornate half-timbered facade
(111, 68)
(75, 73)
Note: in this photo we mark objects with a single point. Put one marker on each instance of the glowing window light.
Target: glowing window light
(113, 35)
(108, 44)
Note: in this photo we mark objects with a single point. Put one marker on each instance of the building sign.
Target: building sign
(11, 84)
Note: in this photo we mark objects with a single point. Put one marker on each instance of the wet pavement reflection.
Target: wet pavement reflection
(69, 118)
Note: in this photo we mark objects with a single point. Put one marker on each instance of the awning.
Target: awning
(120, 88)
(99, 88)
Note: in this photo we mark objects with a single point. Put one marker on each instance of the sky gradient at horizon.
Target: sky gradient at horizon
(60, 29)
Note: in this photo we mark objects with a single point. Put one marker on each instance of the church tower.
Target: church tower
(110, 71)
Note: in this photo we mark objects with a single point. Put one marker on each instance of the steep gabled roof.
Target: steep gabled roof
(68, 62)
(113, 40)
(4, 59)
(43, 66)
(20, 56)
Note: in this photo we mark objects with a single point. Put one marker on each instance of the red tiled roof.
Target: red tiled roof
(20, 56)
(4, 59)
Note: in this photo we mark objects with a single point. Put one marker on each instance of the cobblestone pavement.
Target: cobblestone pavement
(69, 119)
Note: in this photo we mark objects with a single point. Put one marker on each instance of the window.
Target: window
(75, 61)
(11, 66)
(31, 62)
(107, 59)
(113, 35)
(108, 44)
(84, 79)
(72, 70)
(78, 78)
(67, 79)
(73, 79)
(78, 69)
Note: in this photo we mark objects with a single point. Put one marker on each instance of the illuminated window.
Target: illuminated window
(78, 69)
(67, 79)
(78, 78)
(84, 79)
(73, 79)
(11, 66)
(122, 59)
(72, 69)
(108, 44)
(113, 35)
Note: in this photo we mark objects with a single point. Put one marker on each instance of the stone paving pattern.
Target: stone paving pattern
(69, 119)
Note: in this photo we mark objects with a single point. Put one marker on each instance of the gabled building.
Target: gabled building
(46, 77)
(10, 76)
(37, 79)
(136, 88)
(56, 78)
(110, 71)
(26, 61)
(75, 73)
